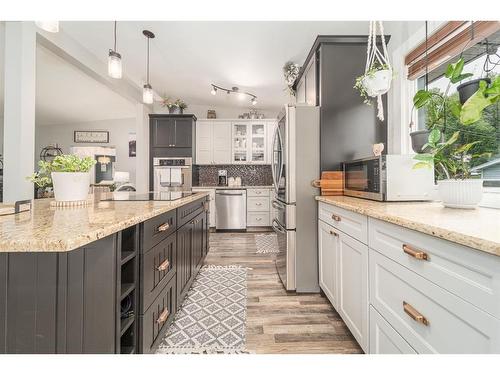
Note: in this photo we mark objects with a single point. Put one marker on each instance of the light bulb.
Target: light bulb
(214, 91)
(254, 101)
(114, 64)
(241, 96)
(147, 94)
(50, 26)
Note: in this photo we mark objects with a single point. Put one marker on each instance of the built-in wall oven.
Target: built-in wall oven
(172, 173)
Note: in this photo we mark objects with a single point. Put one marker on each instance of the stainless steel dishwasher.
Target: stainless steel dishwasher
(231, 209)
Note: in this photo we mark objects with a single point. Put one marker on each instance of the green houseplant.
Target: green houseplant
(451, 156)
(181, 104)
(69, 175)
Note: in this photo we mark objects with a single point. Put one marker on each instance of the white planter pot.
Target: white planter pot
(461, 193)
(378, 83)
(71, 186)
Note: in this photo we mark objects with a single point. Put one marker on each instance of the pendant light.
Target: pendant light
(50, 26)
(147, 91)
(114, 60)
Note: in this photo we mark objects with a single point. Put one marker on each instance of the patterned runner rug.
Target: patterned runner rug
(212, 318)
(267, 243)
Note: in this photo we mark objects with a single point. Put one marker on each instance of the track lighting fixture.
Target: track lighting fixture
(235, 90)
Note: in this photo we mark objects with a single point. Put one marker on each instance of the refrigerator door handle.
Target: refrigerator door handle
(277, 227)
(273, 164)
(278, 205)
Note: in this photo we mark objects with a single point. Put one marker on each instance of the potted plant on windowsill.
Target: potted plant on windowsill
(69, 175)
(452, 163)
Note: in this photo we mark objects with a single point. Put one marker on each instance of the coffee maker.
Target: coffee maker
(222, 177)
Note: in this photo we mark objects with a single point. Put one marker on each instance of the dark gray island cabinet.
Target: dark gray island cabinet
(118, 294)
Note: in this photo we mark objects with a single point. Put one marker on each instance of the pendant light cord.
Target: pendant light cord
(115, 37)
(147, 67)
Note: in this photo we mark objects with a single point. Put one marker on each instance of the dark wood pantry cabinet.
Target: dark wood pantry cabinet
(115, 295)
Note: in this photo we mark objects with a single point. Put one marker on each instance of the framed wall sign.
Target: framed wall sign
(91, 136)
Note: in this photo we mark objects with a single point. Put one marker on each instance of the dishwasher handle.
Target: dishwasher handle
(230, 194)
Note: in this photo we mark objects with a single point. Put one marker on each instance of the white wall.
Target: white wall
(119, 130)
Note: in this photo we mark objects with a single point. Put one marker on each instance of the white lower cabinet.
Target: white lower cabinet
(343, 277)
(353, 286)
(384, 339)
(328, 254)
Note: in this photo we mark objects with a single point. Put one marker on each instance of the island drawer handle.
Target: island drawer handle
(258, 204)
(163, 227)
(164, 265)
(163, 316)
(336, 218)
(417, 254)
(414, 314)
(334, 233)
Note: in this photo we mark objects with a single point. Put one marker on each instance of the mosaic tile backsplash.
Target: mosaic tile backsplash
(251, 175)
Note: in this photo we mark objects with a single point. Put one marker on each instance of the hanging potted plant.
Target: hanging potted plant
(377, 78)
(435, 104)
(69, 175)
(452, 163)
(181, 105)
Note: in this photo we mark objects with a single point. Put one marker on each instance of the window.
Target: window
(486, 130)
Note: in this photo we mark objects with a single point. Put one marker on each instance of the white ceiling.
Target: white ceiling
(186, 57)
(65, 94)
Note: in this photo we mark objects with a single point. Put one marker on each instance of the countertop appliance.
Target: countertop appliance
(172, 172)
(222, 174)
(388, 178)
(151, 196)
(231, 209)
(295, 163)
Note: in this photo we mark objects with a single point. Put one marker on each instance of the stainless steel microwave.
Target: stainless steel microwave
(388, 178)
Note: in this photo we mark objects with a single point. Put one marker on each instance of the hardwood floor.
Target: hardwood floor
(279, 321)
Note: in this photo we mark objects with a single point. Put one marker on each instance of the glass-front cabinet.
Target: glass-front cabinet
(249, 143)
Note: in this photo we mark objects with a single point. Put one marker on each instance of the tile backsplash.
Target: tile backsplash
(251, 175)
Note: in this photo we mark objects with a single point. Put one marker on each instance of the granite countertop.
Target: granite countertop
(234, 187)
(478, 229)
(47, 229)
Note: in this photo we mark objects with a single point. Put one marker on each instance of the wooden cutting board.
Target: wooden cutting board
(331, 183)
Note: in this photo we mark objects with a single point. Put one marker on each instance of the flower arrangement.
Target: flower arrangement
(181, 104)
(174, 106)
(290, 72)
(169, 103)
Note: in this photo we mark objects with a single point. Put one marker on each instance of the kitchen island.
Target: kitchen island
(106, 278)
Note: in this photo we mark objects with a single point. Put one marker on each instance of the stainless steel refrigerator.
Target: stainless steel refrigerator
(295, 164)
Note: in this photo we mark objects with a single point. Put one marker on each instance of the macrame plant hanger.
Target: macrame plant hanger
(373, 55)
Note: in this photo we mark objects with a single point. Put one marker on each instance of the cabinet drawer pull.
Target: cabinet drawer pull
(414, 314)
(258, 204)
(258, 219)
(336, 218)
(163, 316)
(417, 254)
(164, 265)
(163, 227)
(334, 233)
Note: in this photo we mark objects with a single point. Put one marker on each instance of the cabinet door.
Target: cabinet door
(270, 129)
(185, 270)
(353, 286)
(204, 142)
(310, 89)
(241, 137)
(258, 144)
(221, 142)
(183, 133)
(328, 254)
(163, 132)
(301, 90)
(198, 251)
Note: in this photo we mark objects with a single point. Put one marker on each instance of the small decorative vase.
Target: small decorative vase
(461, 193)
(71, 186)
(171, 110)
(181, 111)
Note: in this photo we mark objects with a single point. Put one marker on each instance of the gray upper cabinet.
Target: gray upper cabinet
(172, 135)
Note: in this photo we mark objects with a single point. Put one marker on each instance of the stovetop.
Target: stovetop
(151, 196)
